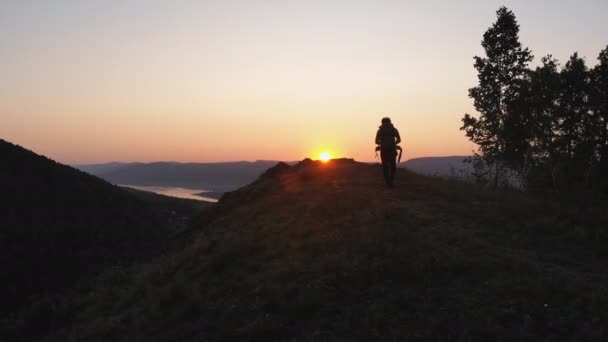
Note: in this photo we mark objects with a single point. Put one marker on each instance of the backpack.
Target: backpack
(387, 136)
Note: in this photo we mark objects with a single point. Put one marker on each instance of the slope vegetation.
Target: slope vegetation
(323, 252)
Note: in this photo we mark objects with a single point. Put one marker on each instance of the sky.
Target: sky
(208, 81)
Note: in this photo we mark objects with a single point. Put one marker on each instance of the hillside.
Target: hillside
(59, 225)
(205, 176)
(322, 252)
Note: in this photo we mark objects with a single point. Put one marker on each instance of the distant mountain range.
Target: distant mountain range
(228, 176)
(453, 166)
(98, 169)
(218, 177)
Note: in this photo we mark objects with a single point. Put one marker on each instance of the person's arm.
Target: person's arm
(397, 137)
(378, 138)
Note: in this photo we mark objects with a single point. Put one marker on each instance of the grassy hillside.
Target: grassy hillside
(59, 225)
(318, 252)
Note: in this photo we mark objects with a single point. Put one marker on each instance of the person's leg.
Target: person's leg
(393, 166)
(385, 167)
(389, 163)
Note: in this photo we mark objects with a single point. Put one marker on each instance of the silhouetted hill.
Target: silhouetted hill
(323, 252)
(440, 166)
(208, 176)
(59, 225)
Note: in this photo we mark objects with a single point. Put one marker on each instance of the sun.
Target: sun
(324, 157)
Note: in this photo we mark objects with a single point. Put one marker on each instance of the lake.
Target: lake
(174, 192)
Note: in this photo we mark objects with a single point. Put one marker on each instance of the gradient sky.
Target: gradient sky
(97, 81)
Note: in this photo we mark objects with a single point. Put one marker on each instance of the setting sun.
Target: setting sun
(325, 157)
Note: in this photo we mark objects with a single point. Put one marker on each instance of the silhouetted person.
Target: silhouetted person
(387, 138)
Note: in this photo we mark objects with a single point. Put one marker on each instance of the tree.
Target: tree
(599, 105)
(544, 89)
(500, 130)
(576, 127)
(542, 99)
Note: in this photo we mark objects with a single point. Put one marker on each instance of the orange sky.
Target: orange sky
(220, 81)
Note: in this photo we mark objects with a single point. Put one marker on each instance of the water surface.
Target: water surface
(175, 192)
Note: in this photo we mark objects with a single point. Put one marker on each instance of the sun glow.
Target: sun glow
(324, 157)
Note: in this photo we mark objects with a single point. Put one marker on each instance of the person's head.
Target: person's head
(386, 120)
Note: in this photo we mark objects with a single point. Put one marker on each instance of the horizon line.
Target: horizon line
(248, 161)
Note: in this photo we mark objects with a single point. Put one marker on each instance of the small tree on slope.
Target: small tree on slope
(501, 131)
